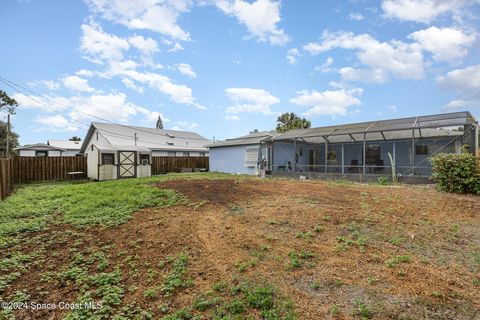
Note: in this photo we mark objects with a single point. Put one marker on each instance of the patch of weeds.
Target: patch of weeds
(151, 293)
(236, 307)
(220, 286)
(151, 274)
(182, 314)
(327, 218)
(383, 181)
(318, 229)
(15, 262)
(277, 222)
(177, 277)
(476, 282)
(243, 266)
(315, 285)
(205, 302)
(296, 259)
(395, 241)
(437, 294)
(338, 283)
(235, 208)
(372, 280)
(393, 262)
(362, 310)
(307, 235)
(335, 310)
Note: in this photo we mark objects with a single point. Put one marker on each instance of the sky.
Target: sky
(223, 68)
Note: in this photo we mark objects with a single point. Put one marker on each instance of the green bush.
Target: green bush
(457, 173)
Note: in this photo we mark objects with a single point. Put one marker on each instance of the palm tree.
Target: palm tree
(289, 121)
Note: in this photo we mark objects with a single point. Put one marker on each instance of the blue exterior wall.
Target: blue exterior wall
(229, 159)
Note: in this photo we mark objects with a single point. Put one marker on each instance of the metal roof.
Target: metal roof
(151, 138)
(38, 147)
(121, 148)
(251, 138)
(65, 144)
(423, 126)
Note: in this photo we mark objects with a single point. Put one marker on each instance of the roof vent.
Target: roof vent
(254, 131)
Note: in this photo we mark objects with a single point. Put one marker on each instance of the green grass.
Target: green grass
(106, 203)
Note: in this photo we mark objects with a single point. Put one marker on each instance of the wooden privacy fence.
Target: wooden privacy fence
(28, 169)
(175, 164)
(6, 181)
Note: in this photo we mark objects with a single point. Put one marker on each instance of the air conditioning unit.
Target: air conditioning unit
(144, 161)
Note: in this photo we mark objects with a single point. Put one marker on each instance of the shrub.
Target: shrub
(456, 173)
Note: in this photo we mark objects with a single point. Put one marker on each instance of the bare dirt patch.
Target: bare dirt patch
(335, 250)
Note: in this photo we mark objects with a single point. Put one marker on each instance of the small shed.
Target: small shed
(107, 162)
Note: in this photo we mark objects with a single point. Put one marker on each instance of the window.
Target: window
(171, 154)
(421, 149)
(202, 154)
(145, 159)
(108, 158)
(251, 156)
(41, 153)
(186, 154)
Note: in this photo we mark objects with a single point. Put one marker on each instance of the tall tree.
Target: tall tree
(290, 121)
(159, 124)
(12, 139)
(75, 138)
(7, 103)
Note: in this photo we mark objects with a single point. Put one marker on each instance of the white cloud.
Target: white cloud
(424, 11)
(292, 55)
(328, 102)
(365, 75)
(45, 103)
(55, 123)
(355, 16)
(390, 59)
(325, 67)
(76, 83)
(147, 46)
(232, 118)
(131, 85)
(99, 46)
(185, 125)
(186, 70)
(445, 44)
(466, 83)
(154, 15)
(260, 17)
(84, 73)
(250, 100)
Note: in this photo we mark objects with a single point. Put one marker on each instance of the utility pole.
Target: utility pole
(135, 138)
(7, 151)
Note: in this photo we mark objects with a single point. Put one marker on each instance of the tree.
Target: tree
(289, 121)
(7, 103)
(159, 123)
(75, 138)
(12, 138)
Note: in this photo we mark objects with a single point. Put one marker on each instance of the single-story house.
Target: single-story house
(53, 148)
(123, 151)
(238, 155)
(371, 149)
(72, 148)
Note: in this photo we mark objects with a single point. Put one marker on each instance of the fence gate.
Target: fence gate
(126, 164)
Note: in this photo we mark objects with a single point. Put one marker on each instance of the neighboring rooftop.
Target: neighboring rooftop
(65, 144)
(39, 147)
(151, 138)
(253, 137)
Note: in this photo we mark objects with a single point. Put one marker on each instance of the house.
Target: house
(239, 155)
(53, 148)
(71, 148)
(122, 151)
(371, 149)
(39, 150)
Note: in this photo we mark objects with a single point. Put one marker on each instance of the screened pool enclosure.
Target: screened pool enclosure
(370, 148)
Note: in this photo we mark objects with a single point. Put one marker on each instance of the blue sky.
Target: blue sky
(223, 68)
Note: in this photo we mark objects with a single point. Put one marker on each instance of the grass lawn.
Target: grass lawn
(196, 246)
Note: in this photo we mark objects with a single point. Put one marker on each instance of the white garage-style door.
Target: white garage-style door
(126, 164)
